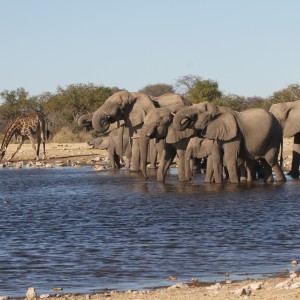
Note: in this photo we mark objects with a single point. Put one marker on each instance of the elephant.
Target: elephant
(85, 121)
(288, 115)
(110, 143)
(199, 147)
(115, 129)
(158, 125)
(132, 108)
(251, 134)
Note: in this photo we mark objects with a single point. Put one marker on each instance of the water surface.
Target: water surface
(85, 231)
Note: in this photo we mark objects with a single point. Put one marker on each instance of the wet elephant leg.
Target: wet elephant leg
(231, 151)
(135, 159)
(296, 157)
(217, 160)
(152, 154)
(135, 148)
(272, 160)
(181, 166)
(209, 173)
(167, 158)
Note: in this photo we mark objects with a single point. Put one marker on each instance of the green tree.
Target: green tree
(15, 102)
(205, 90)
(157, 90)
(291, 93)
(67, 104)
(232, 101)
(198, 90)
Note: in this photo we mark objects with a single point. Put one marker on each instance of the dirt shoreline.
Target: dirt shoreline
(280, 287)
(283, 288)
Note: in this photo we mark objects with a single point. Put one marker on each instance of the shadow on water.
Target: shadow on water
(84, 230)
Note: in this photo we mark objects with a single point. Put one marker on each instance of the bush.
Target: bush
(65, 135)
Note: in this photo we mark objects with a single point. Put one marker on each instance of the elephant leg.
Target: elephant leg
(152, 154)
(111, 157)
(296, 157)
(135, 159)
(268, 176)
(209, 173)
(117, 161)
(167, 158)
(160, 145)
(217, 159)
(272, 160)
(182, 165)
(243, 173)
(250, 169)
(231, 151)
(188, 166)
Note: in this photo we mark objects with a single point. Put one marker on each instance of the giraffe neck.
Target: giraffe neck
(7, 137)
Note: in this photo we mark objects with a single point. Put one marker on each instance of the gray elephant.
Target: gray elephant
(199, 147)
(252, 134)
(110, 143)
(288, 115)
(85, 121)
(132, 108)
(158, 125)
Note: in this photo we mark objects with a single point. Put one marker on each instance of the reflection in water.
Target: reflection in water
(83, 230)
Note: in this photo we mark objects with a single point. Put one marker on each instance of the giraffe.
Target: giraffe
(33, 126)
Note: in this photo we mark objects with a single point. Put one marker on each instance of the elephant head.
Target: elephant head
(158, 125)
(85, 121)
(101, 143)
(287, 114)
(130, 107)
(213, 122)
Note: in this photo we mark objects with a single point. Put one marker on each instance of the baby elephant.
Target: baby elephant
(110, 143)
(202, 148)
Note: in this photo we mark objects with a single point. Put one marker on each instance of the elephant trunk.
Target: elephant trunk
(144, 143)
(182, 119)
(85, 121)
(121, 141)
(100, 120)
(189, 163)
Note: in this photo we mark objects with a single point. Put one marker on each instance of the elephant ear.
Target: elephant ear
(205, 148)
(175, 136)
(223, 127)
(292, 124)
(137, 111)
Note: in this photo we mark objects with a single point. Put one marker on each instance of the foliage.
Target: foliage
(239, 103)
(157, 90)
(65, 135)
(198, 90)
(205, 90)
(289, 94)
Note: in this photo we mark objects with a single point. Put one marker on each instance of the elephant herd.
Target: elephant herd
(150, 131)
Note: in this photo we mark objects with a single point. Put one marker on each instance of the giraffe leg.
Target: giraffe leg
(18, 148)
(44, 150)
(33, 146)
(38, 147)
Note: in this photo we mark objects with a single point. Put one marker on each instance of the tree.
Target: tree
(198, 90)
(289, 94)
(185, 83)
(157, 90)
(16, 102)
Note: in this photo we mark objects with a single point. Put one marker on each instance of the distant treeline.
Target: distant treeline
(65, 105)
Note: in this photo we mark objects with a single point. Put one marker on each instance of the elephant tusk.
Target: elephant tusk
(172, 113)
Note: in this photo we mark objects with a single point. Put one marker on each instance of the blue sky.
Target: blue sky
(250, 47)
